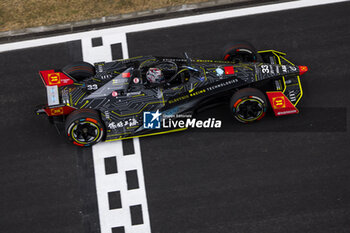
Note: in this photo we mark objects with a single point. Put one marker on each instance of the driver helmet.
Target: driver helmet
(154, 75)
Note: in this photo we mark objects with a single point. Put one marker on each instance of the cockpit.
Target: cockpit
(165, 73)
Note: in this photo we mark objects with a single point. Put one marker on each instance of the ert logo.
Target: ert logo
(151, 120)
(278, 102)
(56, 111)
(54, 78)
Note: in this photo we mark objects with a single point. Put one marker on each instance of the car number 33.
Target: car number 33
(265, 69)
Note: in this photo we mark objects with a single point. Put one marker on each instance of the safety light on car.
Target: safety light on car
(302, 70)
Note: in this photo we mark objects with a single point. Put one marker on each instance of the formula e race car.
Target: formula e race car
(127, 98)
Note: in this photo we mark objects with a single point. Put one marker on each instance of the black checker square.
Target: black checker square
(117, 51)
(97, 41)
(136, 215)
(128, 147)
(111, 165)
(132, 179)
(118, 230)
(114, 200)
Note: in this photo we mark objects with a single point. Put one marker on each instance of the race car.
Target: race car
(126, 98)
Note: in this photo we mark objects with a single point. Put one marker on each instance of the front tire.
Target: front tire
(248, 105)
(84, 127)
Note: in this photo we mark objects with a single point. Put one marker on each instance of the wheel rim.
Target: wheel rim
(249, 110)
(85, 132)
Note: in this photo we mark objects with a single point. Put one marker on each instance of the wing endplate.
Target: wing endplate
(280, 104)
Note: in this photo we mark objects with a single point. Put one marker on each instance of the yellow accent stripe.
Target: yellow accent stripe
(113, 135)
(288, 61)
(79, 99)
(194, 87)
(273, 51)
(70, 100)
(181, 71)
(284, 81)
(278, 57)
(301, 92)
(245, 66)
(132, 127)
(146, 61)
(177, 88)
(129, 58)
(205, 75)
(116, 84)
(146, 135)
(84, 104)
(162, 96)
(138, 95)
(295, 84)
(129, 114)
(279, 62)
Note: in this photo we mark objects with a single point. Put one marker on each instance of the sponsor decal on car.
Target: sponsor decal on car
(124, 123)
(191, 123)
(198, 92)
(219, 72)
(178, 99)
(54, 78)
(153, 120)
(278, 102)
(56, 111)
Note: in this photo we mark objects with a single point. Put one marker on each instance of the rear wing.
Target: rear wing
(53, 80)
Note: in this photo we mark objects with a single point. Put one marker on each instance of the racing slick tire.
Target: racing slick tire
(84, 127)
(240, 51)
(79, 70)
(248, 105)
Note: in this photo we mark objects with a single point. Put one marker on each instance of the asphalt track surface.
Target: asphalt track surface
(288, 174)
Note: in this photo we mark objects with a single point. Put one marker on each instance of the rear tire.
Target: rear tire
(240, 51)
(84, 127)
(79, 70)
(248, 105)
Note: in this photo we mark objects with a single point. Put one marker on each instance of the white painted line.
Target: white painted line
(102, 53)
(169, 23)
(117, 182)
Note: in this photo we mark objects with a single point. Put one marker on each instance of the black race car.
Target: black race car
(123, 98)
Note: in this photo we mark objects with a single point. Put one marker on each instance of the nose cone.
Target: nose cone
(302, 70)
